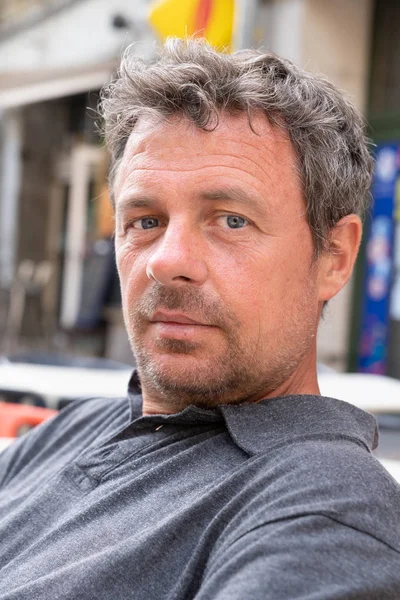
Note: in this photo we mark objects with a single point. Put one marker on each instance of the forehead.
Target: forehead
(255, 155)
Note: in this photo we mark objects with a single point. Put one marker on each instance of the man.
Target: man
(238, 184)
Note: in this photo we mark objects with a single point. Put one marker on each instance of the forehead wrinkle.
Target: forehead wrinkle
(151, 166)
(265, 156)
(259, 161)
(227, 130)
(226, 191)
(226, 133)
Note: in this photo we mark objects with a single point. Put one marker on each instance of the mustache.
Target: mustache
(188, 300)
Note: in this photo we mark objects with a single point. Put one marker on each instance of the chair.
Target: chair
(16, 419)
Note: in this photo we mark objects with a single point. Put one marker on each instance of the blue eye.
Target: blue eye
(235, 222)
(147, 223)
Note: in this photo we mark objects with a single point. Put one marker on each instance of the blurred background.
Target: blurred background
(59, 291)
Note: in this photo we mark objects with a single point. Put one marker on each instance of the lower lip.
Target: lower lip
(178, 330)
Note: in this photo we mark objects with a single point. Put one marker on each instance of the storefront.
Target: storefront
(376, 312)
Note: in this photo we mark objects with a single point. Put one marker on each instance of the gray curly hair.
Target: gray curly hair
(192, 79)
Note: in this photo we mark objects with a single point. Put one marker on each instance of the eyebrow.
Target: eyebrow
(226, 193)
(230, 193)
(130, 202)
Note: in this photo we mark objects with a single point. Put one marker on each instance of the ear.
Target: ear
(337, 262)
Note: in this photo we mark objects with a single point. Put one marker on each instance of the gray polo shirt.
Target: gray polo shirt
(276, 500)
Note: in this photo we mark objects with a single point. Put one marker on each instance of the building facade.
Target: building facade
(55, 55)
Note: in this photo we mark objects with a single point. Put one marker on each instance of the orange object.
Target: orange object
(15, 416)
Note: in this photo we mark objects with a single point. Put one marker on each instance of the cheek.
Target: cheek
(268, 285)
(122, 258)
(243, 281)
(130, 268)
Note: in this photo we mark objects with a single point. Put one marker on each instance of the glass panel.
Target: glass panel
(385, 75)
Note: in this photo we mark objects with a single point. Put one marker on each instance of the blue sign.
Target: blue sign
(372, 351)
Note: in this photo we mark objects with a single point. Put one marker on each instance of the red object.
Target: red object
(202, 16)
(15, 416)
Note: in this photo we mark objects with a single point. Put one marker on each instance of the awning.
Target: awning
(19, 89)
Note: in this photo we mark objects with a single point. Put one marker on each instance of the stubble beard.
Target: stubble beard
(236, 375)
(206, 383)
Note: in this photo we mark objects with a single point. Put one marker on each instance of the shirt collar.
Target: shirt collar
(258, 427)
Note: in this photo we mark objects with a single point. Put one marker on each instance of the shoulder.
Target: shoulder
(308, 556)
(65, 436)
(318, 511)
(335, 479)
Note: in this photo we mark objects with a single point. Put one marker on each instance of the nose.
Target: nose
(178, 258)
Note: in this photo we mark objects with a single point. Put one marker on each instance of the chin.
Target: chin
(182, 380)
(175, 368)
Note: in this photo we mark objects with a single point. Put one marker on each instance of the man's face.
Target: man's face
(215, 257)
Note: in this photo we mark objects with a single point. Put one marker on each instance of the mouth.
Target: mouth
(176, 318)
(172, 325)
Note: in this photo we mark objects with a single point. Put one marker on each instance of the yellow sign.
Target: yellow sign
(211, 19)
